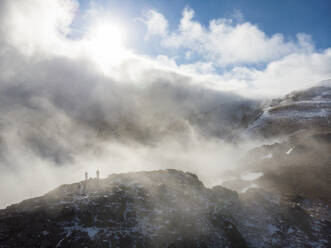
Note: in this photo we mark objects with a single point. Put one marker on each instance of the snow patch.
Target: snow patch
(289, 151)
(266, 156)
(251, 186)
(251, 176)
(272, 229)
(91, 231)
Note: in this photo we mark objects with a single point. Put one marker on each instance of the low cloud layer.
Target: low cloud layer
(59, 118)
(66, 109)
(239, 48)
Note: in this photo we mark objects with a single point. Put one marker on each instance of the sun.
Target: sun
(105, 43)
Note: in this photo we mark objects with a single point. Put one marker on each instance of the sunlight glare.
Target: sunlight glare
(105, 44)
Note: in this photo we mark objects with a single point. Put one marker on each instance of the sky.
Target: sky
(225, 41)
(286, 17)
(256, 48)
(141, 85)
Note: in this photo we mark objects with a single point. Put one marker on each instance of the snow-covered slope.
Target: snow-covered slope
(306, 109)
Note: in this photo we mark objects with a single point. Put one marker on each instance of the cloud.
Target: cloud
(238, 55)
(295, 71)
(62, 115)
(226, 42)
(64, 111)
(36, 26)
(156, 23)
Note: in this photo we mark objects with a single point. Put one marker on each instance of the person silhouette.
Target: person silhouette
(98, 174)
(85, 183)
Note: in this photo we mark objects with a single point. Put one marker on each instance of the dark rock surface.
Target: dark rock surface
(167, 208)
(300, 165)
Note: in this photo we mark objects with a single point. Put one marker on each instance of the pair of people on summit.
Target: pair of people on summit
(97, 172)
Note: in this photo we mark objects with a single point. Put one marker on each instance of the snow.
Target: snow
(289, 151)
(222, 181)
(295, 114)
(266, 156)
(92, 231)
(59, 243)
(251, 186)
(290, 230)
(272, 229)
(316, 107)
(251, 176)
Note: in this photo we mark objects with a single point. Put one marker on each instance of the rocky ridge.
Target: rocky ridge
(166, 208)
(305, 109)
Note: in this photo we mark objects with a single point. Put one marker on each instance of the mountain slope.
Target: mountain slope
(306, 109)
(158, 209)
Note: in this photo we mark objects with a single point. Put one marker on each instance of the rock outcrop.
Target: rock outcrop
(306, 109)
(167, 208)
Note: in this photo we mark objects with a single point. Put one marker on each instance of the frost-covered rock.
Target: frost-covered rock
(167, 208)
(306, 109)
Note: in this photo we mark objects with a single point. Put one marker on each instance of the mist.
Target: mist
(61, 117)
(64, 112)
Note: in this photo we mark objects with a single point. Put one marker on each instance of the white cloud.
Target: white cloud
(36, 25)
(236, 47)
(227, 43)
(61, 115)
(237, 15)
(289, 65)
(295, 71)
(156, 23)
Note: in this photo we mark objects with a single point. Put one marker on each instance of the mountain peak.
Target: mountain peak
(308, 109)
